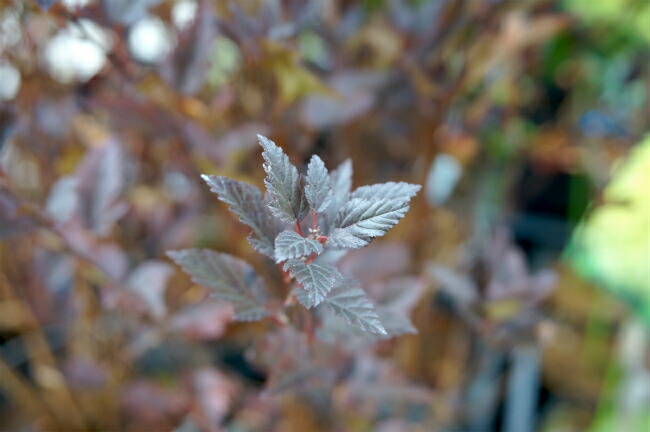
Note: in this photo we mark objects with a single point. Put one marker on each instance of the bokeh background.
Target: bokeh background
(524, 263)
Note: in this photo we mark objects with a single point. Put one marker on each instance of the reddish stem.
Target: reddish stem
(321, 239)
(298, 229)
(314, 221)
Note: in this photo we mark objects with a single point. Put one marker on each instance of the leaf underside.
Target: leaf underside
(283, 183)
(246, 201)
(317, 185)
(317, 279)
(354, 306)
(228, 278)
(290, 244)
(360, 220)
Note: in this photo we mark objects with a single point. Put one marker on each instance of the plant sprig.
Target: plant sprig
(340, 219)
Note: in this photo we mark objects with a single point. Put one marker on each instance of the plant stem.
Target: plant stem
(314, 221)
(298, 229)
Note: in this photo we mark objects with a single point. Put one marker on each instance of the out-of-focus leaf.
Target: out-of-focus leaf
(228, 278)
(290, 244)
(443, 176)
(246, 201)
(188, 65)
(354, 94)
(400, 191)
(290, 364)
(294, 80)
(377, 262)
(628, 16)
(341, 184)
(45, 4)
(460, 287)
(127, 11)
(100, 182)
(352, 304)
(612, 245)
(283, 183)
(317, 279)
(148, 281)
(207, 320)
(365, 219)
(109, 257)
(12, 221)
(149, 406)
(215, 393)
(317, 185)
(63, 200)
(395, 300)
(85, 374)
(375, 383)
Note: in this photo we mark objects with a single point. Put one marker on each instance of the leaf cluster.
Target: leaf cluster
(341, 219)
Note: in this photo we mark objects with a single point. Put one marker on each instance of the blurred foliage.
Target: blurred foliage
(619, 259)
(520, 117)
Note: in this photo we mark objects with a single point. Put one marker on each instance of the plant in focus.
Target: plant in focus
(340, 219)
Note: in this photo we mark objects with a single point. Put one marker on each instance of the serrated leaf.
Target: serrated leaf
(303, 297)
(341, 184)
(317, 185)
(317, 279)
(365, 219)
(395, 299)
(229, 278)
(283, 183)
(246, 201)
(395, 324)
(290, 244)
(343, 238)
(355, 307)
(398, 191)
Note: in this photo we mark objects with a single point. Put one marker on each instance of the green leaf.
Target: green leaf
(317, 188)
(290, 244)
(316, 279)
(228, 278)
(246, 201)
(283, 183)
(354, 306)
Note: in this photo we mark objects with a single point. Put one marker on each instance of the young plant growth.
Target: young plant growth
(340, 219)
